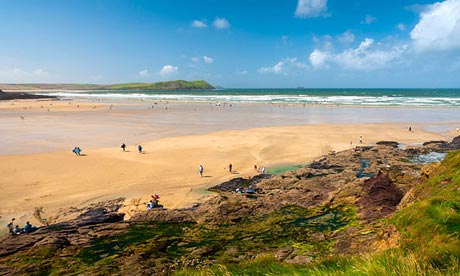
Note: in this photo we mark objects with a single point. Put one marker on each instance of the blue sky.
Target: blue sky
(233, 43)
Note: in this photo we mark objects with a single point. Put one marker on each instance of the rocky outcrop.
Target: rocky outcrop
(380, 197)
(454, 144)
(388, 143)
(90, 224)
(20, 95)
(332, 206)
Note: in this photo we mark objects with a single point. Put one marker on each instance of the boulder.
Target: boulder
(388, 143)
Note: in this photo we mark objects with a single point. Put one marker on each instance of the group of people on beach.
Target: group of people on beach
(230, 169)
(139, 148)
(15, 230)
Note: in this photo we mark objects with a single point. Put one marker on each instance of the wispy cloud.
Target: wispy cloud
(346, 38)
(18, 75)
(401, 27)
(284, 67)
(368, 20)
(438, 28)
(205, 59)
(208, 60)
(168, 70)
(311, 8)
(144, 73)
(367, 56)
(199, 24)
(221, 23)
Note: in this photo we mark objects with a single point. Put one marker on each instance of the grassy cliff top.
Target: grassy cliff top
(165, 85)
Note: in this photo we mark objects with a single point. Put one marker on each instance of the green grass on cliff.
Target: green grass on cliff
(430, 228)
(167, 85)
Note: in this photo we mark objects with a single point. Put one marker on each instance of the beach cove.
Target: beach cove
(39, 170)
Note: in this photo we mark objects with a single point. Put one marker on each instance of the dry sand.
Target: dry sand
(169, 165)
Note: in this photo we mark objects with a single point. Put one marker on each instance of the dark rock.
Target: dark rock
(17, 95)
(454, 144)
(388, 143)
(164, 215)
(239, 183)
(56, 242)
(435, 143)
(322, 165)
(12, 244)
(381, 197)
(98, 216)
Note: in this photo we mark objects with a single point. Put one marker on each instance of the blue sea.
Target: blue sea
(352, 97)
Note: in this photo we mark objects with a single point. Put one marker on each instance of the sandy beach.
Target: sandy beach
(38, 168)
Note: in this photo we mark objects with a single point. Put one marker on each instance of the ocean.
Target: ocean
(352, 97)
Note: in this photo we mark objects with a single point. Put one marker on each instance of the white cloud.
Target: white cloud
(243, 72)
(199, 24)
(367, 56)
(347, 37)
(208, 60)
(401, 27)
(17, 75)
(221, 23)
(168, 70)
(284, 67)
(438, 28)
(144, 73)
(369, 20)
(205, 59)
(311, 8)
(318, 59)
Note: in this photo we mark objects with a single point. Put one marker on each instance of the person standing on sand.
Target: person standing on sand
(255, 167)
(139, 148)
(123, 147)
(230, 166)
(11, 226)
(201, 170)
(262, 170)
(410, 128)
(360, 140)
(75, 150)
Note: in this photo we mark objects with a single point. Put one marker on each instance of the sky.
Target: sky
(233, 43)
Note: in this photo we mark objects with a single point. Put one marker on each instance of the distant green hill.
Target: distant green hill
(165, 85)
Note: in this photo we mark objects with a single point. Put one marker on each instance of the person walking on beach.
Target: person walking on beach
(255, 167)
(75, 150)
(360, 140)
(410, 128)
(78, 151)
(123, 147)
(201, 170)
(139, 148)
(230, 166)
